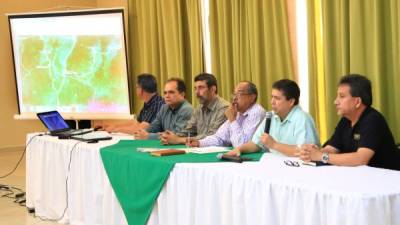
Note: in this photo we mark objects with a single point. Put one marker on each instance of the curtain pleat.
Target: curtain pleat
(250, 41)
(355, 36)
(165, 39)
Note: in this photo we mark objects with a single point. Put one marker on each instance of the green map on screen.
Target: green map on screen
(82, 73)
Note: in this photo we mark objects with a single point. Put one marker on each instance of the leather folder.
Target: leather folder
(168, 152)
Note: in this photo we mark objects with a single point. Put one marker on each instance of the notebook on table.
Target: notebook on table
(57, 126)
(93, 136)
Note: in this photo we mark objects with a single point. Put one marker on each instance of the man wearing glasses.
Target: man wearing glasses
(243, 117)
(207, 118)
(290, 125)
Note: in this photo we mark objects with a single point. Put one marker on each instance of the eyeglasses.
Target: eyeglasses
(169, 92)
(239, 94)
(291, 163)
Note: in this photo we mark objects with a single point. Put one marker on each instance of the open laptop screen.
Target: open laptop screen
(53, 121)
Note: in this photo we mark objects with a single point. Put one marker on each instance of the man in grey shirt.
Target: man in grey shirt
(206, 118)
(172, 116)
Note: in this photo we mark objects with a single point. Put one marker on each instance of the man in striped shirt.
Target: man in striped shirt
(244, 115)
(146, 89)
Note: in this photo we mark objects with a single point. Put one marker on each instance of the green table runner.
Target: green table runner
(137, 178)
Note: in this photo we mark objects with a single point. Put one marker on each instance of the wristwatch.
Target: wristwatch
(325, 157)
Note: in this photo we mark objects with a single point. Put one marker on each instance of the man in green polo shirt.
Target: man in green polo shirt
(173, 115)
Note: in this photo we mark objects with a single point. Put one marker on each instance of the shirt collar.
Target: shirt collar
(289, 116)
(212, 104)
(152, 100)
(178, 107)
(363, 114)
(248, 111)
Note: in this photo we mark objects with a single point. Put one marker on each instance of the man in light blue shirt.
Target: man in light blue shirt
(290, 125)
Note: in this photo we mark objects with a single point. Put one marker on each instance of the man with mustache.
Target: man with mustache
(206, 118)
(244, 115)
(362, 136)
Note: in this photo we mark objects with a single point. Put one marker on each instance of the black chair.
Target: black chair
(398, 150)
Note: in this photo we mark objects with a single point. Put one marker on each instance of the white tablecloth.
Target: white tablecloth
(265, 192)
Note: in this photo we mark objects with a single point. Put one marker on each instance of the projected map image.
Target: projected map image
(73, 73)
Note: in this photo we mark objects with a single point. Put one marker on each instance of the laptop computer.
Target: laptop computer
(57, 126)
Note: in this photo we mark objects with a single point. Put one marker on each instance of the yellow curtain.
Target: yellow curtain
(354, 36)
(165, 39)
(250, 41)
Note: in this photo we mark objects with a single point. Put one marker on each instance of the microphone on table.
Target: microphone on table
(231, 158)
(267, 122)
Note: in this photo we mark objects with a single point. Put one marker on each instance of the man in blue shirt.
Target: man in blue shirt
(290, 125)
(146, 90)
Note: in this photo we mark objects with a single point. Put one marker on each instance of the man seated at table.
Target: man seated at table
(207, 117)
(173, 115)
(290, 126)
(243, 114)
(146, 90)
(362, 136)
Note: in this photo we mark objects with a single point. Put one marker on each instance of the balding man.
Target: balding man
(243, 117)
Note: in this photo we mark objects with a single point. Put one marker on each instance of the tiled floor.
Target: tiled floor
(11, 213)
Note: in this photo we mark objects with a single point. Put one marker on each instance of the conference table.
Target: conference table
(67, 175)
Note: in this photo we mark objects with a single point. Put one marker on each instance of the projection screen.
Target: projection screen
(74, 62)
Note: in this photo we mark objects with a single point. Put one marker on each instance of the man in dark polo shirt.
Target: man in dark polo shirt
(146, 90)
(362, 136)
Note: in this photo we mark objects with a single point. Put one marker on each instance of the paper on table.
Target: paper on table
(210, 149)
(148, 149)
(199, 150)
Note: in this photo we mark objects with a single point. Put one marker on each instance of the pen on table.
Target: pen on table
(188, 139)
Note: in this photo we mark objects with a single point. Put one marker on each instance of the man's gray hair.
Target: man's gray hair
(252, 89)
